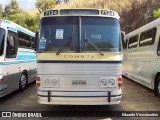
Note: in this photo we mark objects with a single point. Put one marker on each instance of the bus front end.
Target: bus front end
(79, 57)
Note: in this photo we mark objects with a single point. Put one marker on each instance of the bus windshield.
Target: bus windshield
(2, 36)
(79, 34)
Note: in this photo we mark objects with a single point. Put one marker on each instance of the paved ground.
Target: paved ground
(135, 98)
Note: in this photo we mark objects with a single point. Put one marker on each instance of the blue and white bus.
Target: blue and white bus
(17, 57)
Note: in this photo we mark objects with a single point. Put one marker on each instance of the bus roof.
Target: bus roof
(80, 12)
(145, 27)
(15, 27)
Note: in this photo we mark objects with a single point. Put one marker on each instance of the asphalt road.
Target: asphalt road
(135, 98)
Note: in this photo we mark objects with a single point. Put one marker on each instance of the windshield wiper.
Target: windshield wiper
(61, 48)
(95, 47)
(89, 42)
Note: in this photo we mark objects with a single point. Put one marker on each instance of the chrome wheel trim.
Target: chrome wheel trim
(159, 88)
(23, 81)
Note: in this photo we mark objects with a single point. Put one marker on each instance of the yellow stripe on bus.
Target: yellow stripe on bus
(79, 56)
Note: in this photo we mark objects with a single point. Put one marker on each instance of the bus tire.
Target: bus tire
(23, 82)
(158, 87)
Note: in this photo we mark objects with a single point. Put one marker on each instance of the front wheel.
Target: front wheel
(158, 86)
(23, 82)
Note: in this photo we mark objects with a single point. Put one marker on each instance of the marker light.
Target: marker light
(1, 80)
(38, 81)
(120, 82)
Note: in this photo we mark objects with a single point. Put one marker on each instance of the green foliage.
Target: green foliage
(156, 13)
(14, 13)
(1, 10)
(12, 8)
(25, 20)
(43, 5)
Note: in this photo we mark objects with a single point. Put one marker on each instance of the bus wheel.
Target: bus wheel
(23, 82)
(158, 86)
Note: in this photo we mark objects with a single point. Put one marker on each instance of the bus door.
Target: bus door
(10, 67)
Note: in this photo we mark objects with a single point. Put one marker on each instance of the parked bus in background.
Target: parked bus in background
(142, 56)
(17, 57)
(79, 57)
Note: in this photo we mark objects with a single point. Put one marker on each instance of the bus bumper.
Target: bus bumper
(80, 97)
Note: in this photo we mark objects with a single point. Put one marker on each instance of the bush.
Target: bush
(156, 13)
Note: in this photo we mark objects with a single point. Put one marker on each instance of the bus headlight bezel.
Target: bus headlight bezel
(51, 82)
(107, 82)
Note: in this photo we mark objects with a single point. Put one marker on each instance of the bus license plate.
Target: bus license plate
(79, 83)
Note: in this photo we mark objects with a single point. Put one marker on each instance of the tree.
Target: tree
(12, 8)
(62, 1)
(156, 13)
(43, 5)
(66, 1)
(1, 10)
(25, 20)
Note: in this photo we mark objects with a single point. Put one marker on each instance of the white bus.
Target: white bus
(142, 56)
(17, 57)
(79, 57)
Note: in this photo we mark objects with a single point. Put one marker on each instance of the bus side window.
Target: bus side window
(33, 45)
(11, 49)
(24, 40)
(158, 48)
(133, 42)
(148, 37)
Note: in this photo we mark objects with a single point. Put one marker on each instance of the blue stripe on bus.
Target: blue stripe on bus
(12, 29)
(22, 57)
(6, 21)
(70, 61)
(25, 55)
(25, 31)
(16, 62)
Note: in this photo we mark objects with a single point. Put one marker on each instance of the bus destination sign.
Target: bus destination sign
(79, 12)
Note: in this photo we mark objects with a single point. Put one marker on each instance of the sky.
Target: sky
(24, 4)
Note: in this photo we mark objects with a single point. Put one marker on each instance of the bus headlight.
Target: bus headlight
(46, 82)
(54, 83)
(104, 83)
(112, 83)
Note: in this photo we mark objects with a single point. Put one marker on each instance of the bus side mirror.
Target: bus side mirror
(122, 38)
(36, 40)
(122, 35)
